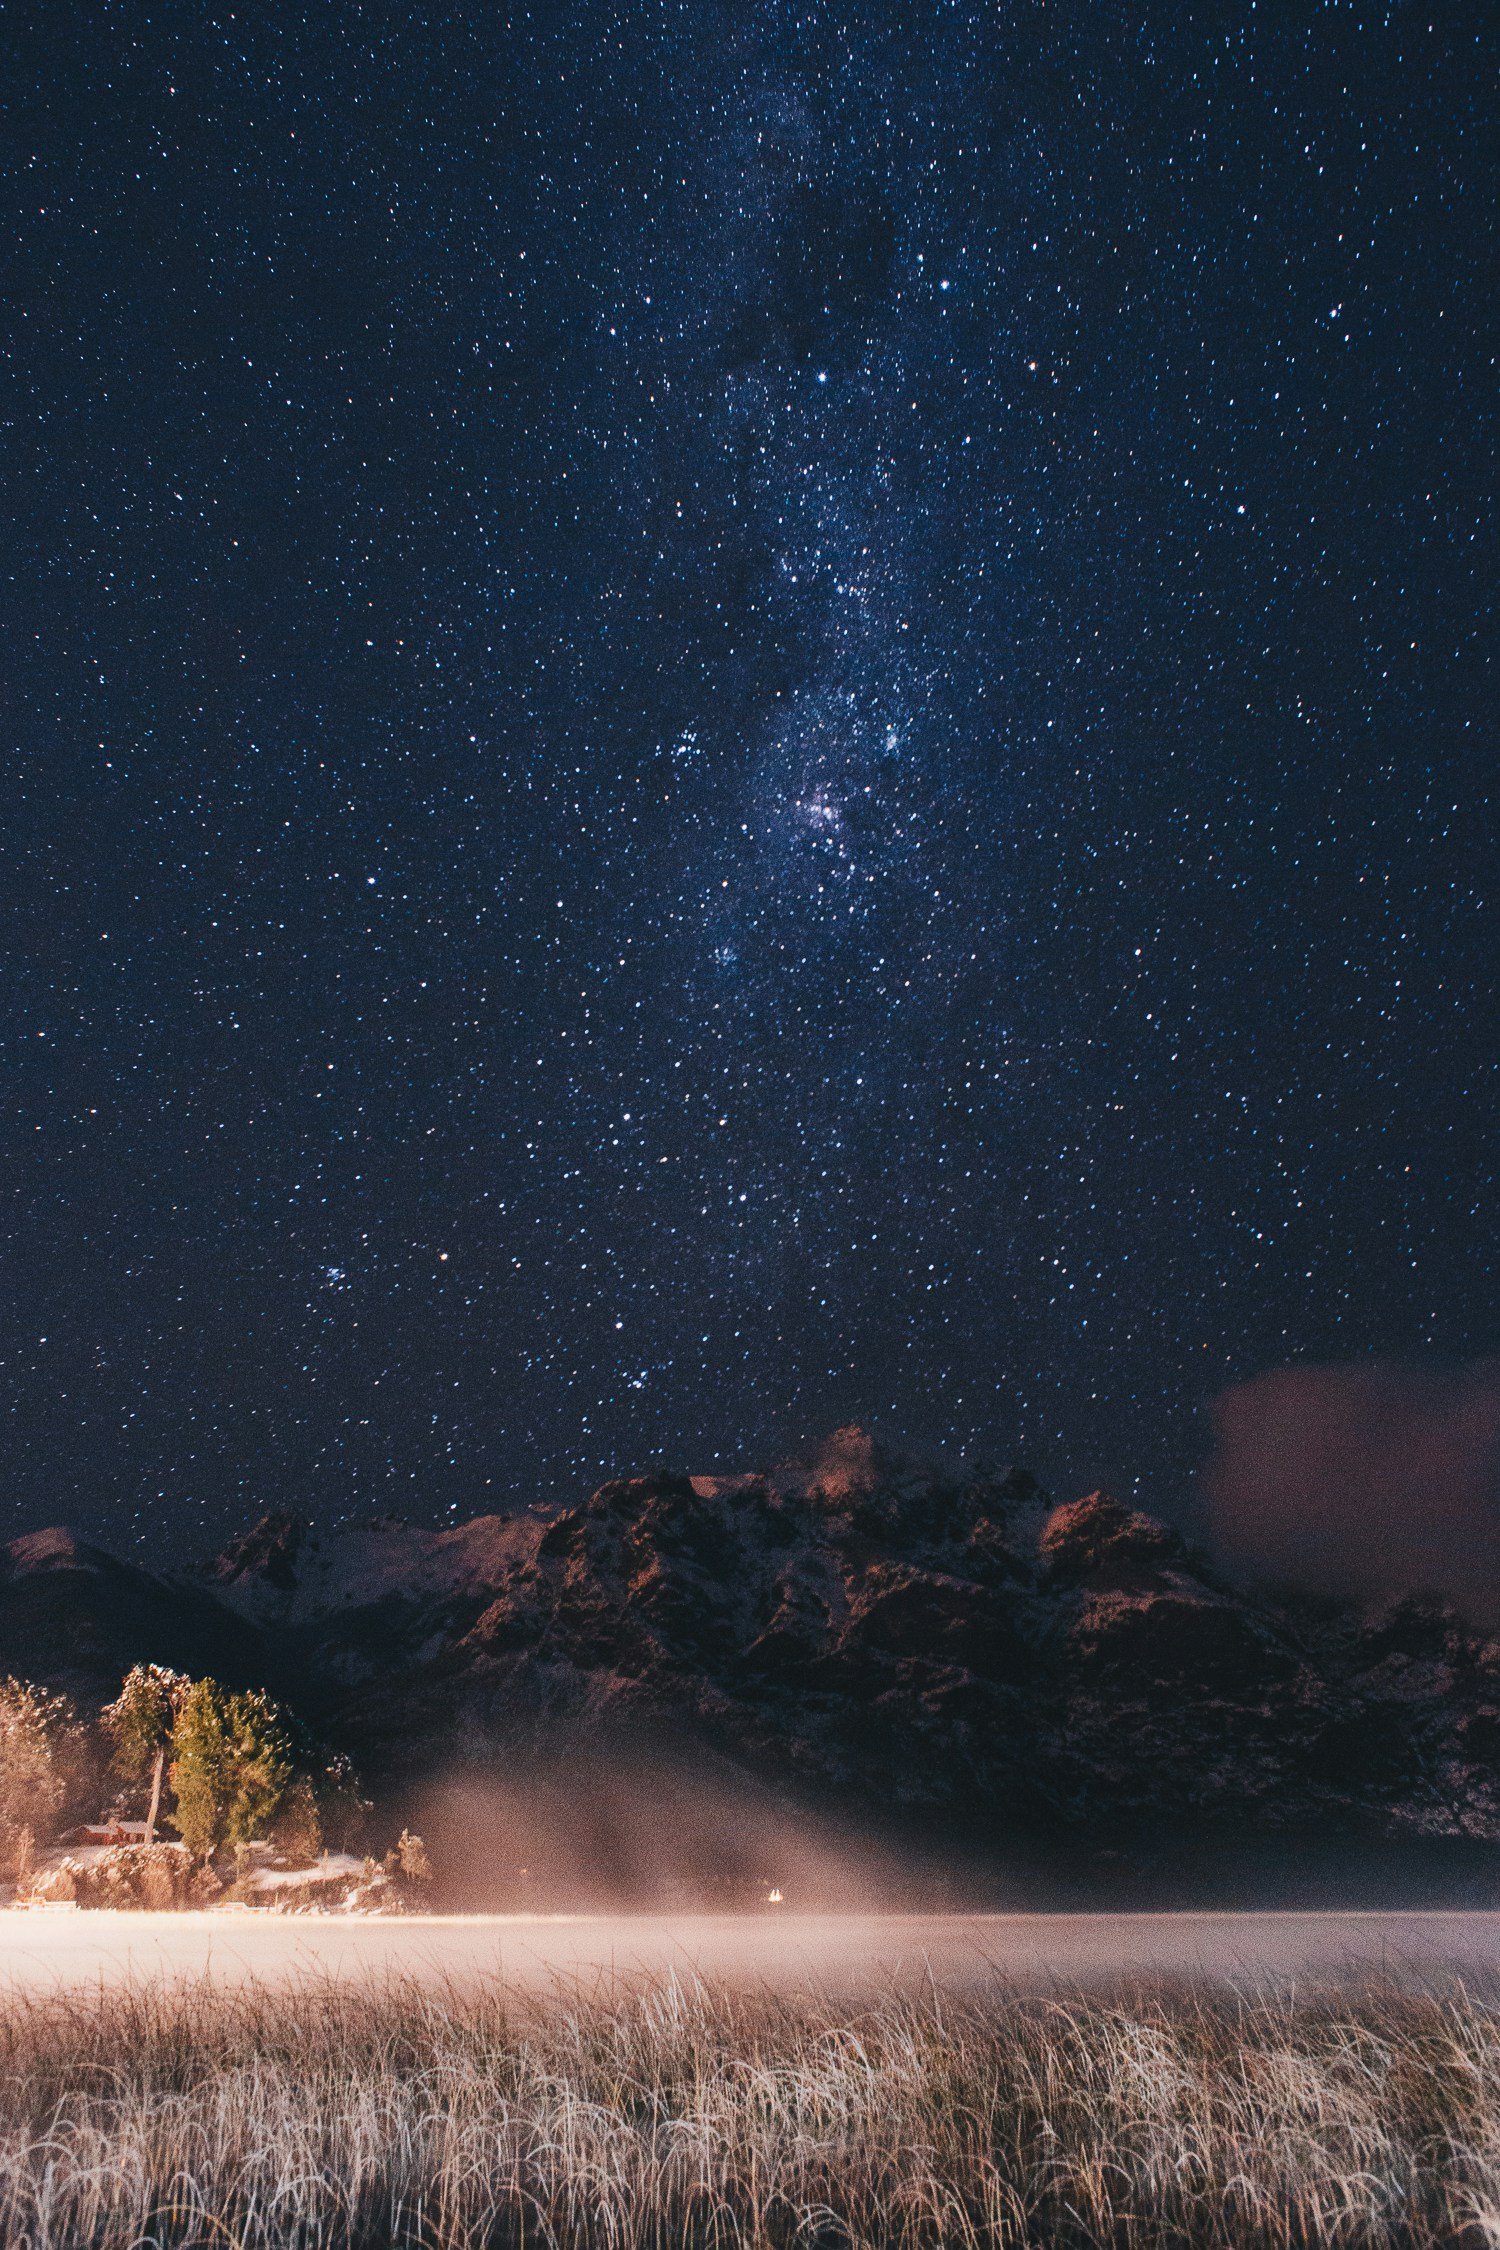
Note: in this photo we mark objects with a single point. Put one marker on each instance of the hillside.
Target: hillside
(74, 1618)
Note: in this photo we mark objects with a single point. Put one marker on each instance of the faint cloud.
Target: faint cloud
(1365, 1480)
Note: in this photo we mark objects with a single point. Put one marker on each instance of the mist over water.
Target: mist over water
(586, 1958)
(603, 1828)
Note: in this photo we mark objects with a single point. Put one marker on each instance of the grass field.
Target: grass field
(333, 2115)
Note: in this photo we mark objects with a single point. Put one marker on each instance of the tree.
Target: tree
(139, 1723)
(232, 1763)
(260, 1765)
(201, 1767)
(40, 1748)
(299, 1832)
(411, 1859)
(341, 1807)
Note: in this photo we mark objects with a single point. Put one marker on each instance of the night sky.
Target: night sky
(724, 718)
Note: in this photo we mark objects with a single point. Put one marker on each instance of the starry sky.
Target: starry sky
(720, 718)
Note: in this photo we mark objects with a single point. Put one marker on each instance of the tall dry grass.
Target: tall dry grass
(335, 2115)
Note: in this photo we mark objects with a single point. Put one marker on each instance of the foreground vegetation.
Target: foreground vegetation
(337, 2116)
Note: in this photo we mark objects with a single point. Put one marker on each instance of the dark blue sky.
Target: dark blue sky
(717, 719)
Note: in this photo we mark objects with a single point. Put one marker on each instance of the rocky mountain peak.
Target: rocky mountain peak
(58, 1547)
(851, 1461)
(1096, 1539)
(267, 1553)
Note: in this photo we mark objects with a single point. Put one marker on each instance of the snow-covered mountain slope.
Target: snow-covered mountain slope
(283, 1573)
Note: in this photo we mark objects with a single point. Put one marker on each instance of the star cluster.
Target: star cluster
(726, 718)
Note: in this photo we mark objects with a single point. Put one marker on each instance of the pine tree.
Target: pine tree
(232, 1763)
(139, 1723)
(260, 1765)
(299, 1832)
(200, 1770)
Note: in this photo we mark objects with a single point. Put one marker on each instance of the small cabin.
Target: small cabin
(107, 1832)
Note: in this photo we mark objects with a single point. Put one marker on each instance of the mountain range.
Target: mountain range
(923, 1655)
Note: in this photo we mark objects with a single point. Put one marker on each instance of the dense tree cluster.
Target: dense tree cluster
(232, 1767)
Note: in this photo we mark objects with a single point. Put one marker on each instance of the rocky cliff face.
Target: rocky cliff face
(951, 1652)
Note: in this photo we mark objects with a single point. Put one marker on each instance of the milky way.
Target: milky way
(723, 719)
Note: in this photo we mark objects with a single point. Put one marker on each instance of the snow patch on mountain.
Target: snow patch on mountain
(284, 1573)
